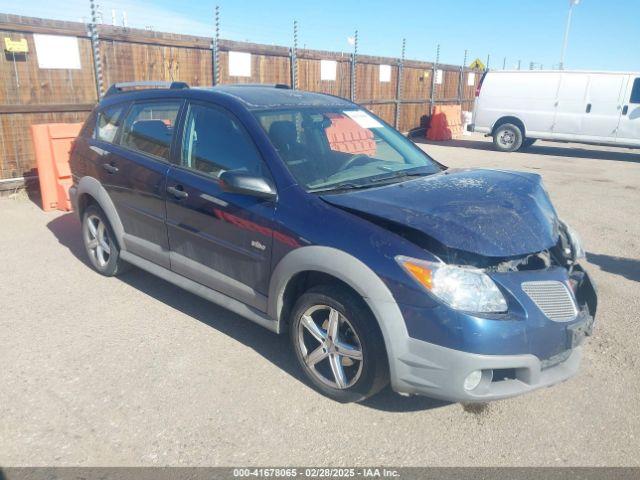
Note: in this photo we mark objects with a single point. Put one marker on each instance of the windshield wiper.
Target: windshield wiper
(398, 175)
(340, 186)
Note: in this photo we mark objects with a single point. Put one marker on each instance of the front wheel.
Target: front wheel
(338, 344)
(507, 137)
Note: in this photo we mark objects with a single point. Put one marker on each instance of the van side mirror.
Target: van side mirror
(240, 182)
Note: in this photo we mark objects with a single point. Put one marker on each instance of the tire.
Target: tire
(507, 137)
(357, 336)
(99, 243)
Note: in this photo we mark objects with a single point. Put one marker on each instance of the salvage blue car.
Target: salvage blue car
(311, 216)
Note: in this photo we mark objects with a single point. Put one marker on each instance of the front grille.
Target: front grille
(553, 298)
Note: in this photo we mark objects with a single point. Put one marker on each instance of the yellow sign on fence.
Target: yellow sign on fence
(16, 46)
(477, 64)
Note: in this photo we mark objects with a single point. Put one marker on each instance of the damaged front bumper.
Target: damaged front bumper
(515, 356)
(439, 372)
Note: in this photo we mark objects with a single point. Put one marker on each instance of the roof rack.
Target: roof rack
(118, 87)
(283, 86)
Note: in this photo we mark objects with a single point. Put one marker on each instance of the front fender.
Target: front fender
(353, 272)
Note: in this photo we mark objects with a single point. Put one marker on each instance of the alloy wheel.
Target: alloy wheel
(330, 348)
(97, 240)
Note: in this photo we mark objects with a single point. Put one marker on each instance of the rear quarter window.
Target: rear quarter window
(107, 123)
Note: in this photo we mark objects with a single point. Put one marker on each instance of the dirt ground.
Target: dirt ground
(133, 371)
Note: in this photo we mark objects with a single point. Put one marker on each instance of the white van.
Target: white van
(518, 107)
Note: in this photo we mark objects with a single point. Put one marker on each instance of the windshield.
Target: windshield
(330, 149)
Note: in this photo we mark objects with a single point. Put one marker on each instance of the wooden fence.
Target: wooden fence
(29, 94)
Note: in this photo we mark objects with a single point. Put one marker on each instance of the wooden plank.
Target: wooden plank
(47, 108)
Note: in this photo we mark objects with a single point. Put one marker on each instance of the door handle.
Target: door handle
(177, 192)
(588, 108)
(110, 168)
(625, 109)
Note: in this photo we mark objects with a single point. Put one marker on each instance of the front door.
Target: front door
(603, 107)
(629, 128)
(136, 177)
(217, 238)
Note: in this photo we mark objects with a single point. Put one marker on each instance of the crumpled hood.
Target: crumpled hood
(487, 212)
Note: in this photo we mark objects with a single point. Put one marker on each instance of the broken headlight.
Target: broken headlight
(575, 241)
(462, 288)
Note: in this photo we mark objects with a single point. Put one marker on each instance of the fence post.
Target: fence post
(294, 57)
(486, 67)
(354, 59)
(399, 85)
(504, 63)
(519, 62)
(215, 49)
(433, 80)
(95, 46)
(461, 79)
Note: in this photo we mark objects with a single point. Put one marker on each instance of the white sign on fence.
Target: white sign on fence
(328, 69)
(439, 76)
(239, 64)
(55, 51)
(471, 79)
(385, 73)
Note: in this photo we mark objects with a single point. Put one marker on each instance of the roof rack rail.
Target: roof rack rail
(119, 87)
(283, 86)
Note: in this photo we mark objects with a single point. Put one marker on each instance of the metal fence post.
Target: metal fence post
(504, 63)
(354, 59)
(433, 80)
(461, 79)
(215, 48)
(486, 67)
(519, 62)
(294, 57)
(95, 46)
(399, 85)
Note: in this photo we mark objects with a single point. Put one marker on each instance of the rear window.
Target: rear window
(149, 128)
(107, 123)
(635, 91)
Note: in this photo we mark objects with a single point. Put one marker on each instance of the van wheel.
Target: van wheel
(99, 242)
(338, 344)
(507, 138)
(527, 142)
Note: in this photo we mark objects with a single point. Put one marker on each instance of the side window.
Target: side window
(215, 142)
(635, 92)
(149, 127)
(107, 123)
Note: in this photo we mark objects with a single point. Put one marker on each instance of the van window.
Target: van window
(635, 91)
(214, 141)
(107, 124)
(149, 128)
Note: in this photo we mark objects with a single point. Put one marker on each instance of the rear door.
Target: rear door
(136, 173)
(629, 127)
(220, 239)
(603, 107)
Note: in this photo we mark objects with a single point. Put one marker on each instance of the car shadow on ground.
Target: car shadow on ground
(628, 268)
(274, 348)
(556, 151)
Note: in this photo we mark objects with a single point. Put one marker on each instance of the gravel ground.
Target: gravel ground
(133, 371)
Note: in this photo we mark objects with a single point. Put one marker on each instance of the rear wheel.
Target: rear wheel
(100, 244)
(507, 137)
(338, 344)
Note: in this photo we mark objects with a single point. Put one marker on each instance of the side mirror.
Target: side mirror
(247, 184)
